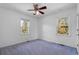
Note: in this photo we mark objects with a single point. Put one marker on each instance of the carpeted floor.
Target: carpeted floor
(38, 47)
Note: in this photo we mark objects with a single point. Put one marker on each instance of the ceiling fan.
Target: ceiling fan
(37, 9)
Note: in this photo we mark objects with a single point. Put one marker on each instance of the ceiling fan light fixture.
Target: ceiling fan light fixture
(37, 13)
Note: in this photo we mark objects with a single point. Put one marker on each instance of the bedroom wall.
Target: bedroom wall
(49, 27)
(78, 26)
(10, 27)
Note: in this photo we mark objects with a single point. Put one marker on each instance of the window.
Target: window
(62, 26)
(24, 26)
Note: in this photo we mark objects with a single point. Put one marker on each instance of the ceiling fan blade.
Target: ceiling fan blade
(41, 12)
(34, 13)
(44, 7)
(30, 9)
(35, 6)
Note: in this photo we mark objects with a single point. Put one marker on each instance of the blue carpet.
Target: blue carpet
(38, 47)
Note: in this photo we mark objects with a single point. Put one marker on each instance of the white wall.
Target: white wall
(78, 26)
(10, 27)
(49, 27)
